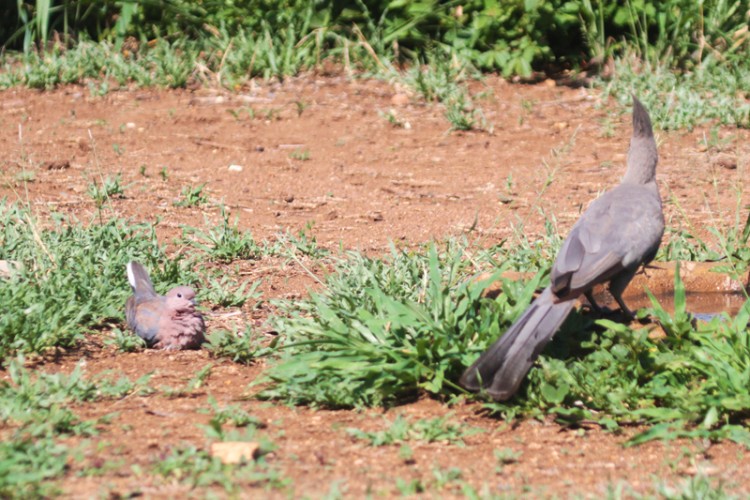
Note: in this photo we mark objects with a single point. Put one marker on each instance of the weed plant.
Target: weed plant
(303, 243)
(223, 291)
(281, 37)
(383, 328)
(195, 468)
(224, 243)
(513, 38)
(192, 196)
(36, 407)
(691, 382)
(683, 100)
(687, 60)
(402, 430)
(232, 414)
(241, 347)
(108, 188)
(125, 341)
(29, 467)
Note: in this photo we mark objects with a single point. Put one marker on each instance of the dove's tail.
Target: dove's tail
(139, 279)
(503, 366)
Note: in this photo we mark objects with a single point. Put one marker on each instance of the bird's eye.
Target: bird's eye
(179, 295)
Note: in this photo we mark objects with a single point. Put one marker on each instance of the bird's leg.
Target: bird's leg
(592, 303)
(617, 285)
(625, 310)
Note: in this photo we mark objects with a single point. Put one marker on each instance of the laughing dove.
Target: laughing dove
(619, 232)
(163, 321)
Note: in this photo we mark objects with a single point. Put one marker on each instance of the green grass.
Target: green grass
(382, 329)
(300, 154)
(693, 382)
(241, 347)
(304, 243)
(401, 430)
(655, 55)
(683, 100)
(105, 190)
(125, 341)
(697, 486)
(195, 468)
(443, 80)
(687, 60)
(224, 292)
(514, 38)
(35, 408)
(29, 467)
(232, 414)
(225, 242)
(192, 196)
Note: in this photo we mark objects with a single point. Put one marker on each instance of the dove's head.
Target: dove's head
(181, 298)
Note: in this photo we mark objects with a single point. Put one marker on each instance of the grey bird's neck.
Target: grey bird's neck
(642, 155)
(642, 160)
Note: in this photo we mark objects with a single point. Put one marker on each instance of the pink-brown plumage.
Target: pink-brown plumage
(165, 322)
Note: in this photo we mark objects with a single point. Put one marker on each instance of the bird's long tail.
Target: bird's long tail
(502, 367)
(139, 279)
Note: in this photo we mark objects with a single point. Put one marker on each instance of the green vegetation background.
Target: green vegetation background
(514, 37)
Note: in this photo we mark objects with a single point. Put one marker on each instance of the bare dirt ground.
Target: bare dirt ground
(318, 149)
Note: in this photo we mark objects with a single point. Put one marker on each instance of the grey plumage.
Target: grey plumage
(620, 231)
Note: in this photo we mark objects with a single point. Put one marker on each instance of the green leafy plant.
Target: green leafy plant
(225, 242)
(192, 196)
(240, 347)
(196, 468)
(382, 329)
(30, 466)
(691, 382)
(125, 341)
(506, 456)
(37, 409)
(304, 242)
(402, 430)
(300, 154)
(225, 293)
(394, 119)
(107, 189)
(232, 414)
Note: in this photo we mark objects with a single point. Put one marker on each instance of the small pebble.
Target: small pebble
(235, 168)
(400, 100)
(234, 452)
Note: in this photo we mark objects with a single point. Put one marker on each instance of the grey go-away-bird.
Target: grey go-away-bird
(620, 231)
(163, 321)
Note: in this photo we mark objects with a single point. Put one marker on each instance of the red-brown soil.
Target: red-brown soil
(364, 184)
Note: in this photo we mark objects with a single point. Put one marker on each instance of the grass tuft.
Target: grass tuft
(683, 100)
(383, 329)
